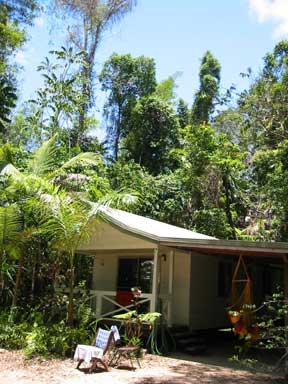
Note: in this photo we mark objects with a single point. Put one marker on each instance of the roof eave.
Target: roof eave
(237, 246)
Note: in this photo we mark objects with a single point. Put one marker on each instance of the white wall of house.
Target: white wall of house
(181, 288)
(105, 268)
(207, 309)
(106, 237)
(180, 283)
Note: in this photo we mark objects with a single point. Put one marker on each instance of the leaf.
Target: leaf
(86, 158)
(43, 159)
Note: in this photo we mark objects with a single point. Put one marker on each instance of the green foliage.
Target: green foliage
(7, 103)
(57, 339)
(12, 335)
(205, 98)
(126, 79)
(165, 89)
(60, 100)
(153, 133)
(134, 323)
(212, 222)
(183, 114)
(272, 323)
(221, 173)
(37, 338)
(14, 15)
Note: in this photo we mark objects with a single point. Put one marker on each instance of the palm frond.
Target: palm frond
(10, 225)
(120, 199)
(117, 199)
(63, 220)
(85, 158)
(43, 159)
(6, 153)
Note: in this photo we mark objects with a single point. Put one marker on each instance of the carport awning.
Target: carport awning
(233, 247)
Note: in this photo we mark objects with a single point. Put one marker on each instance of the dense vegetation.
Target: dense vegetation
(217, 165)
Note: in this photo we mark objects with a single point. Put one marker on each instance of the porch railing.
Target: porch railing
(99, 299)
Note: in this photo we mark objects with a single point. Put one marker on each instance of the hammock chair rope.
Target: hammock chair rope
(246, 296)
(241, 310)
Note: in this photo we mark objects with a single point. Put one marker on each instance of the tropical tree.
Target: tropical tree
(14, 16)
(153, 133)
(183, 113)
(58, 102)
(26, 188)
(206, 96)
(11, 225)
(165, 90)
(126, 79)
(90, 20)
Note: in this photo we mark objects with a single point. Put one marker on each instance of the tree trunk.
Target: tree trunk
(1, 273)
(18, 280)
(70, 314)
(228, 202)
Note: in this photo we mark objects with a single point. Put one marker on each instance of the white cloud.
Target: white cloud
(39, 22)
(272, 10)
(25, 55)
(20, 58)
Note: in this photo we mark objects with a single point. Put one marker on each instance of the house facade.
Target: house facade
(182, 274)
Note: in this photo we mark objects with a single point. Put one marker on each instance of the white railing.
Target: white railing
(104, 297)
(99, 299)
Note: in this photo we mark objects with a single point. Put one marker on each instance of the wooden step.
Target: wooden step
(183, 335)
(195, 349)
(185, 342)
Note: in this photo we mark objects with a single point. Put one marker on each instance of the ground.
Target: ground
(154, 370)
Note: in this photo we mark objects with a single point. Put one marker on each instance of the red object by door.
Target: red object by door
(124, 298)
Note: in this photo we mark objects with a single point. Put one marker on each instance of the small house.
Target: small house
(182, 274)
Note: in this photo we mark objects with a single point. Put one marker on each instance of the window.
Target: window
(136, 272)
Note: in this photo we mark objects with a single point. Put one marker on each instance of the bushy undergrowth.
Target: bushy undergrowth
(37, 332)
(38, 338)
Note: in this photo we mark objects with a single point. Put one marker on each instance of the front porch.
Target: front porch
(111, 291)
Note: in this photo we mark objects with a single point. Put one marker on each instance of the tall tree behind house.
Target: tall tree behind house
(90, 18)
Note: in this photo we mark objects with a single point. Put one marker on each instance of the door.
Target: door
(133, 272)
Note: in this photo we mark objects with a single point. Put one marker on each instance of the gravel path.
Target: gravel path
(155, 370)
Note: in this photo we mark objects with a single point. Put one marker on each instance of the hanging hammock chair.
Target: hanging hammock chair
(241, 312)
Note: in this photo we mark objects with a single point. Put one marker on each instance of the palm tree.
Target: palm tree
(67, 223)
(61, 216)
(10, 230)
(26, 188)
(43, 163)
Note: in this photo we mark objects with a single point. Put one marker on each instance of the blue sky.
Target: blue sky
(176, 34)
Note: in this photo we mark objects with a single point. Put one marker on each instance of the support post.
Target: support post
(154, 299)
(170, 287)
(98, 305)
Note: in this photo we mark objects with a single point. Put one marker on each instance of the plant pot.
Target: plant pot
(234, 316)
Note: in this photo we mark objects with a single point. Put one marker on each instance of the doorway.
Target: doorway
(133, 272)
